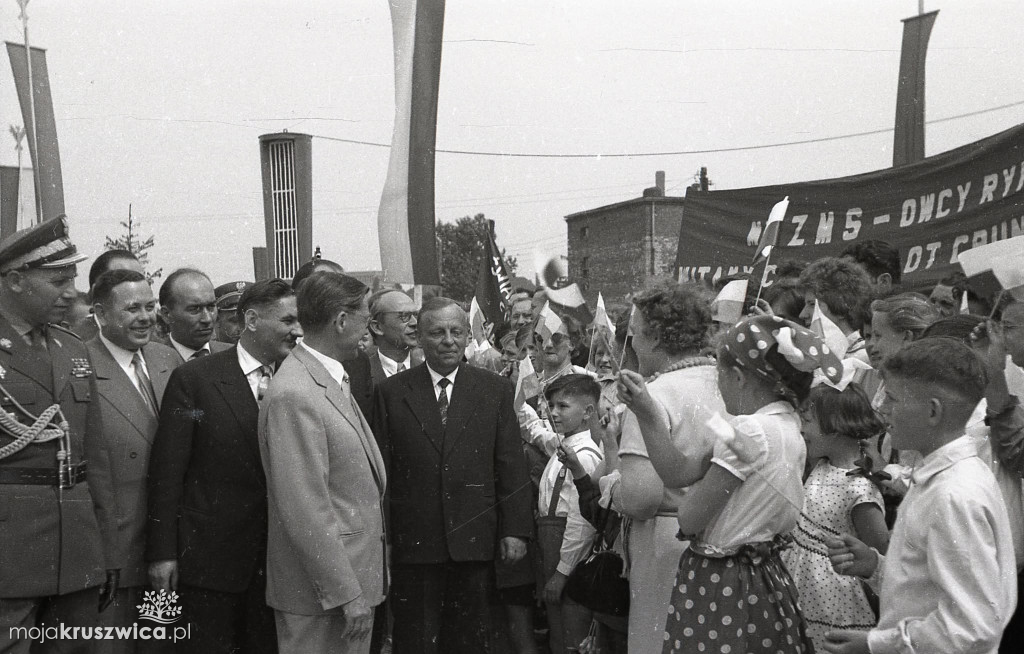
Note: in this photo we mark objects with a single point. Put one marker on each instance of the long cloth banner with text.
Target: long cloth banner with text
(930, 210)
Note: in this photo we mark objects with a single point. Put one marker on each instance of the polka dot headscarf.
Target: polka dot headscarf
(750, 339)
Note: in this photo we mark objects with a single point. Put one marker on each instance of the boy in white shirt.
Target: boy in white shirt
(948, 581)
(563, 535)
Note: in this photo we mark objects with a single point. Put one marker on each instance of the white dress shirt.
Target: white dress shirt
(579, 533)
(251, 368)
(334, 367)
(184, 351)
(948, 582)
(436, 377)
(124, 359)
(390, 366)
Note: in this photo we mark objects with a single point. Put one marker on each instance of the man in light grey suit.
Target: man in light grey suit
(131, 375)
(326, 551)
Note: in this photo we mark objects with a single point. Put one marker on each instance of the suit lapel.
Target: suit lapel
(346, 406)
(112, 382)
(459, 409)
(423, 404)
(235, 390)
(159, 371)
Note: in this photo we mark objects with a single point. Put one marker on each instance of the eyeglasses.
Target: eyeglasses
(405, 316)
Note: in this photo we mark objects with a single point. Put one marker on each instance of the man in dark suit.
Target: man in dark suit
(207, 491)
(393, 326)
(58, 530)
(131, 375)
(459, 490)
(188, 305)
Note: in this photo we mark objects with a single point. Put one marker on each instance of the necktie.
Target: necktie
(442, 400)
(261, 387)
(145, 385)
(37, 338)
(199, 353)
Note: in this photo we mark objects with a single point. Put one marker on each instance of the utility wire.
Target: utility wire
(624, 155)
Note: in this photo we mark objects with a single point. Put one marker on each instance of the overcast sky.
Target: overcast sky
(160, 105)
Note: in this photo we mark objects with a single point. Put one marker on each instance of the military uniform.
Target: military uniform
(57, 511)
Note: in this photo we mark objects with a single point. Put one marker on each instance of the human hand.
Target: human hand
(989, 342)
(163, 575)
(108, 590)
(849, 556)
(634, 394)
(568, 457)
(513, 548)
(358, 619)
(554, 588)
(847, 641)
(761, 308)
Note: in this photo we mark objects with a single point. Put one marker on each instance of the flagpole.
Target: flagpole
(19, 133)
(23, 4)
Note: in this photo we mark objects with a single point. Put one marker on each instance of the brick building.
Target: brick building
(617, 248)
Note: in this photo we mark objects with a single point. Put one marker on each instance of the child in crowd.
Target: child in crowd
(732, 592)
(563, 535)
(835, 425)
(948, 581)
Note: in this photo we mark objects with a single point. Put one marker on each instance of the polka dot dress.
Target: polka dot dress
(742, 604)
(830, 601)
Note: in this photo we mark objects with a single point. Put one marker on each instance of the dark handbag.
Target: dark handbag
(596, 582)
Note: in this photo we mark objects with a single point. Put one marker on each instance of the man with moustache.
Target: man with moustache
(131, 375)
(58, 531)
(326, 560)
(188, 305)
(393, 327)
(459, 490)
(207, 491)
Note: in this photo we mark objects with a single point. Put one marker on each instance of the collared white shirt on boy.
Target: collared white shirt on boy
(579, 533)
(949, 580)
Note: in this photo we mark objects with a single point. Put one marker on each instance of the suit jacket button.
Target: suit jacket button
(133, 455)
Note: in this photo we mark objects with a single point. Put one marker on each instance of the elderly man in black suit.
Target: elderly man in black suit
(459, 488)
(131, 375)
(207, 491)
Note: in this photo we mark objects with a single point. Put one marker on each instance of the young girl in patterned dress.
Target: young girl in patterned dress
(835, 422)
(732, 593)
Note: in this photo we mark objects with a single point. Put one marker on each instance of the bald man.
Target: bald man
(393, 322)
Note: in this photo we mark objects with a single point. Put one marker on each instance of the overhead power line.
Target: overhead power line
(624, 155)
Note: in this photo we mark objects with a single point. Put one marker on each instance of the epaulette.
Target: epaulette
(66, 330)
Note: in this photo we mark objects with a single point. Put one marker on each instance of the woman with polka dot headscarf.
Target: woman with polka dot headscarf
(732, 592)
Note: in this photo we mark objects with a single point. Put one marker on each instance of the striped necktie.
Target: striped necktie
(144, 383)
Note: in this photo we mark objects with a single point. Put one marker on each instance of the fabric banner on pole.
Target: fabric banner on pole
(10, 177)
(405, 219)
(493, 287)
(930, 211)
(45, 162)
(908, 138)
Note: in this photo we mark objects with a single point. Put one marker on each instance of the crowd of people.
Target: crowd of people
(308, 466)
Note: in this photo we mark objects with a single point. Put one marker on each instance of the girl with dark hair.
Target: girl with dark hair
(836, 424)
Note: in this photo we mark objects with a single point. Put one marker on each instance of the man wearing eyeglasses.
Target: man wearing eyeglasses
(393, 326)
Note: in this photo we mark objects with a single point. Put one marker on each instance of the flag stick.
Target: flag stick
(23, 4)
(995, 304)
(764, 278)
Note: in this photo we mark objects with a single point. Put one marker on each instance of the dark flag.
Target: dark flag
(908, 140)
(493, 285)
(405, 219)
(45, 162)
(10, 177)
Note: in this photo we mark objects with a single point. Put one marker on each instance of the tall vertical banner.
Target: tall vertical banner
(10, 178)
(908, 139)
(45, 162)
(493, 285)
(405, 219)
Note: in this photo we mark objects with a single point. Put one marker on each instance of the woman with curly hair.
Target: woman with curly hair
(670, 326)
(841, 288)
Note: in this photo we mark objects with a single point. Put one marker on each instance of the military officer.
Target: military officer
(59, 558)
(229, 324)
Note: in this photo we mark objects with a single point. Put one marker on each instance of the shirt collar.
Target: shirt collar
(122, 356)
(436, 376)
(334, 367)
(19, 325)
(780, 406)
(185, 351)
(248, 362)
(952, 452)
(575, 439)
(390, 365)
